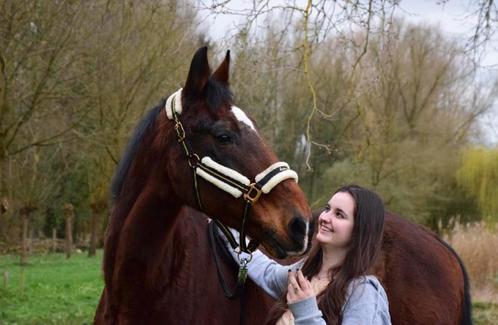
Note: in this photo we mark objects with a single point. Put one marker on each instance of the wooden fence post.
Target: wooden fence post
(97, 207)
(5, 279)
(22, 280)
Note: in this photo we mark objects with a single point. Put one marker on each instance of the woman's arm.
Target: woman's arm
(265, 272)
(268, 274)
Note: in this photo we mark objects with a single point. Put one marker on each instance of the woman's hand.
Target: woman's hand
(298, 287)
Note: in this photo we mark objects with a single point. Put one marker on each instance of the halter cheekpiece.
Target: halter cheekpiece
(225, 178)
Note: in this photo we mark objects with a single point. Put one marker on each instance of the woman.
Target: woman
(330, 285)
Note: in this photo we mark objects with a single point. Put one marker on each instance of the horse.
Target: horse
(424, 278)
(195, 149)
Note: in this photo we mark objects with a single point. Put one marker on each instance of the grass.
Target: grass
(56, 290)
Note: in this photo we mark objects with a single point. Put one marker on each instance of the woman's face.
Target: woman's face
(335, 224)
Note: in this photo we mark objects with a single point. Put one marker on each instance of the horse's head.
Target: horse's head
(215, 128)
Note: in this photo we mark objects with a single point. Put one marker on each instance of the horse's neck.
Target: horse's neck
(182, 278)
(146, 230)
(135, 250)
(139, 226)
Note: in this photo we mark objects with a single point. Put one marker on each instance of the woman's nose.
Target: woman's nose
(325, 216)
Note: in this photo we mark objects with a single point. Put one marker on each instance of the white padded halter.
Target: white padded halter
(207, 161)
(174, 104)
(276, 179)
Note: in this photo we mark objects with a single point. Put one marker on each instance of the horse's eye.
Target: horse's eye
(223, 138)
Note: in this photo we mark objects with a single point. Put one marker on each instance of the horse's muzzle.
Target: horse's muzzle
(299, 231)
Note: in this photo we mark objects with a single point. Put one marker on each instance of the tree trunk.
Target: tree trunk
(25, 213)
(5, 211)
(54, 240)
(93, 235)
(24, 239)
(98, 206)
(30, 240)
(69, 218)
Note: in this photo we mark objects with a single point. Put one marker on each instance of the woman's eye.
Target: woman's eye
(223, 138)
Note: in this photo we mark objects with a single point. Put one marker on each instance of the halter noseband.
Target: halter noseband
(227, 179)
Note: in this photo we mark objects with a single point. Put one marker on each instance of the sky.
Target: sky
(454, 17)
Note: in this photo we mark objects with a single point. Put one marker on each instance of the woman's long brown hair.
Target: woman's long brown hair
(365, 245)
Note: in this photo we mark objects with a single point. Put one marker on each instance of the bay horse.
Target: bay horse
(196, 149)
(425, 280)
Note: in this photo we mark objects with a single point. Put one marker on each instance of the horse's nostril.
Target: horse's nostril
(298, 228)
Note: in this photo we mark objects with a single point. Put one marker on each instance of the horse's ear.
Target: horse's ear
(198, 74)
(222, 73)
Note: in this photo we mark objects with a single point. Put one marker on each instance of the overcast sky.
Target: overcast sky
(455, 18)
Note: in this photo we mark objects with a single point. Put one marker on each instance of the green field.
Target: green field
(66, 291)
(56, 290)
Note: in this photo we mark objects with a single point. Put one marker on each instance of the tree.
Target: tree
(74, 79)
(36, 52)
(418, 104)
(393, 121)
(478, 175)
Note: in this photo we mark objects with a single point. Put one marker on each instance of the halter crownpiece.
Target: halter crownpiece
(225, 178)
(174, 103)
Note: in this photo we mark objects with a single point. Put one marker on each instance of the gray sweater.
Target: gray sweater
(366, 300)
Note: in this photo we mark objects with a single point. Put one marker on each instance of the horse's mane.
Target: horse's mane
(216, 95)
(131, 149)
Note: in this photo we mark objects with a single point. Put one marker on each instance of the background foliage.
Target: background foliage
(400, 118)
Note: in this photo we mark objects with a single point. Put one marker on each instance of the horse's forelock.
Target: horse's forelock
(217, 95)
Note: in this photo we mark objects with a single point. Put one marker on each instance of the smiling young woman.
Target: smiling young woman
(331, 285)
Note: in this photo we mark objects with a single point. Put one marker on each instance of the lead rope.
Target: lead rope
(238, 291)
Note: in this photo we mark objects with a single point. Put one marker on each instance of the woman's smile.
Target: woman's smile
(325, 228)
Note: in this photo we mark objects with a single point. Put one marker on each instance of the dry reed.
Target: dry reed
(477, 245)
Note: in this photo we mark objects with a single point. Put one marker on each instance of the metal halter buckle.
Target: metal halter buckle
(252, 194)
(243, 257)
(180, 132)
(193, 160)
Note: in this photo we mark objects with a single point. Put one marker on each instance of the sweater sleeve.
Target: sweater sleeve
(269, 275)
(367, 303)
(265, 272)
(306, 312)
